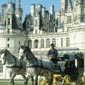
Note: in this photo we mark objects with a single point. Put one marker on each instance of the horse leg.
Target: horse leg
(36, 80)
(25, 80)
(49, 79)
(32, 78)
(12, 79)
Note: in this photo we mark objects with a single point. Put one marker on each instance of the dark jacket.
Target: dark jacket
(53, 52)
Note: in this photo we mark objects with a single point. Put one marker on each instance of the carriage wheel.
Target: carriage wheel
(81, 79)
(43, 81)
(66, 80)
(57, 79)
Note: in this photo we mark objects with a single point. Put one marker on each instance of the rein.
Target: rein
(34, 60)
(31, 57)
(14, 59)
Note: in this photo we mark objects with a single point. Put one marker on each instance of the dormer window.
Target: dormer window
(8, 45)
(68, 19)
(8, 21)
(8, 30)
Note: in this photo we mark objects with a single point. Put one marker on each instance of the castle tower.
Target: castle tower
(62, 6)
(38, 9)
(10, 16)
(43, 11)
(52, 12)
(36, 25)
(32, 8)
(62, 14)
(3, 15)
(19, 11)
(80, 10)
(68, 15)
(68, 5)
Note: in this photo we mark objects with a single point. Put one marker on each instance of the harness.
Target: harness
(14, 60)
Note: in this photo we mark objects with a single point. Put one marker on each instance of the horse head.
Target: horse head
(3, 54)
(23, 50)
(27, 53)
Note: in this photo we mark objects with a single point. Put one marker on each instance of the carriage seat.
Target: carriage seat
(57, 67)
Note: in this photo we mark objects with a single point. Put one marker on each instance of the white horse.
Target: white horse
(38, 67)
(15, 66)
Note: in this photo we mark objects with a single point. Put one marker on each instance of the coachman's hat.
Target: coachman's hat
(52, 45)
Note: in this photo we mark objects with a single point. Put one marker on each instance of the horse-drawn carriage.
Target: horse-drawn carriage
(53, 73)
(65, 74)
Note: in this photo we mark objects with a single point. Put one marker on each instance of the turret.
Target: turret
(32, 8)
(68, 5)
(10, 8)
(52, 10)
(43, 11)
(4, 12)
(19, 10)
(18, 13)
(62, 6)
(38, 9)
(80, 10)
(11, 23)
(36, 25)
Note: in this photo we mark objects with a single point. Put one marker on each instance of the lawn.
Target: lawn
(7, 83)
(17, 82)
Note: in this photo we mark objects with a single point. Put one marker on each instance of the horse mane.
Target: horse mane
(30, 52)
(8, 52)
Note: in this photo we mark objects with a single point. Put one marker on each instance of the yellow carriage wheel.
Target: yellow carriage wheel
(56, 78)
(66, 80)
(81, 79)
(43, 81)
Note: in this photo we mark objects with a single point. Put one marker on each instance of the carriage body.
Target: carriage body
(65, 74)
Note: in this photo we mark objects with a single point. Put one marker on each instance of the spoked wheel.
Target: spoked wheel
(66, 80)
(57, 78)
(81, 79)
(43, 81)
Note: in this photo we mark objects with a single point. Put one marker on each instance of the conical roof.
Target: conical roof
(10, 9)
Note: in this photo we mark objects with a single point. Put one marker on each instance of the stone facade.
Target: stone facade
(11, 30)
(65, 28)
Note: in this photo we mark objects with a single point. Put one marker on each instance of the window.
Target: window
(8, 39)
(36, 44)
(30, 43)
(36, 32)
(8, 30)
(61, 42)
(67, 42)
(47, 43)
(54, 41)
(19, 43)
(7, 45)
(42, 43)
(68, 19)
(8, 21)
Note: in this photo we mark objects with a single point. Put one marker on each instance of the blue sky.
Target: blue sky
(26, 4)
